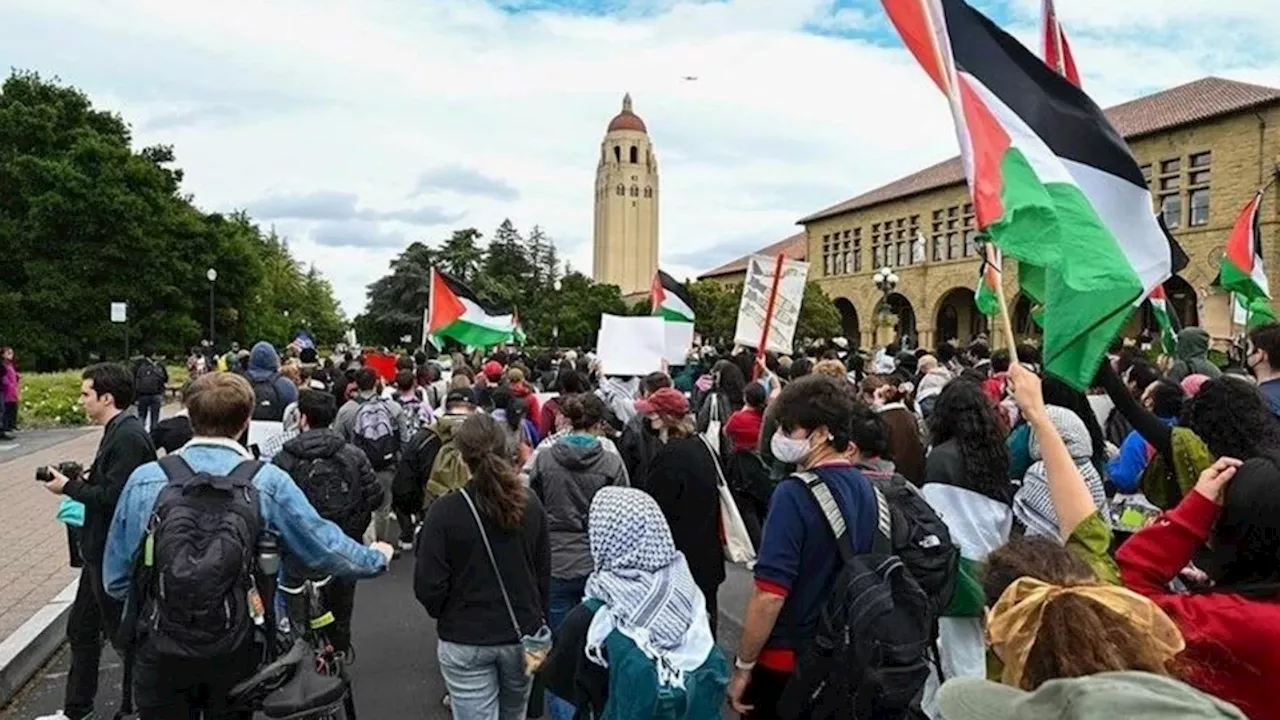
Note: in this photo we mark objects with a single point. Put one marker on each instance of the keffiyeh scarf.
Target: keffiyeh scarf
(645, 585)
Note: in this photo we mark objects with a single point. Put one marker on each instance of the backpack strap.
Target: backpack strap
(176, 469)
(882, 540)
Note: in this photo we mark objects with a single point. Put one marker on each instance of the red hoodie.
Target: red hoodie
(523, 390)
(1233, 642)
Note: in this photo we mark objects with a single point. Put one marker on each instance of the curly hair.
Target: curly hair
(1231, 417)
(964, 413)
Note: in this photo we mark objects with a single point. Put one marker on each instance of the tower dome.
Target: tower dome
(627, 119)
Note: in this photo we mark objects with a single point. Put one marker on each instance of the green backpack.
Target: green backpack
(448, 471)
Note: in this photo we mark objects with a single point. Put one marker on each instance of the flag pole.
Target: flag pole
(946, 71)
(768, 316)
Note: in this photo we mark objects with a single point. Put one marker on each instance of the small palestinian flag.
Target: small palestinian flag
(670, 299)
(1057, 52)
(1252, 313)
(518, 335)
(1053, 183)
(985, 297)
(1241, 269)
(456, 312)
(1164, 318)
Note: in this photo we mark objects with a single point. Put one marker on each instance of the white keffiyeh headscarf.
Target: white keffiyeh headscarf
(645, 585)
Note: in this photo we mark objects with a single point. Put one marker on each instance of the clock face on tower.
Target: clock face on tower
(625, 237)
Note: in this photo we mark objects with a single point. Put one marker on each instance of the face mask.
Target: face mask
(788, 450)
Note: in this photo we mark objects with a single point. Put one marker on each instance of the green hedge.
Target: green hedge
(53, 399)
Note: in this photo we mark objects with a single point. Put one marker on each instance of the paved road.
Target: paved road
(395, 674)
(25, 442)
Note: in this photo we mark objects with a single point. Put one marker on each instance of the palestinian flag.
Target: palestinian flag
(1164, 318)
(670, 299)
(1053, 184)
(1241, 268)
(518, 335)
(1057, 52)
(985, 296)
(456, 312)
(1252, 313)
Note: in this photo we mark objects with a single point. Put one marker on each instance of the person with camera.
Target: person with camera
(106, 391)
(194, 615)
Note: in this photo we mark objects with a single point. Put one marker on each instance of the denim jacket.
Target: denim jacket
(306, 537)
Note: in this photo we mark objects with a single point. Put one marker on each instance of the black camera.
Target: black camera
(70, 468)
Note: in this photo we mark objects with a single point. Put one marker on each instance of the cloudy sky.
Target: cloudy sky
(357, 127)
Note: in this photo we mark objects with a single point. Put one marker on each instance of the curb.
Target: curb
(23, 653)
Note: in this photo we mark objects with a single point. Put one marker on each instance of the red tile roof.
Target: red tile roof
(1183, 105)
(796, 247)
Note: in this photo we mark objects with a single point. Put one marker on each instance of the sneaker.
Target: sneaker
(445, 701)
(406, 545)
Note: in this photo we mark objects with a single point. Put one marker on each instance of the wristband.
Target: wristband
(743, 665)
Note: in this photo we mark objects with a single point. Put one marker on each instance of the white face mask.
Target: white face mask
(788, 450)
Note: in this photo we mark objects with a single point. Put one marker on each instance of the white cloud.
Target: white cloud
(405, 115)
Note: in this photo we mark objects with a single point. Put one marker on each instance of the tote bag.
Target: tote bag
(737, 541)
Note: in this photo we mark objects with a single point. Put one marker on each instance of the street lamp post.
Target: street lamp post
(212, 276)
(886, 280)
(555, 326)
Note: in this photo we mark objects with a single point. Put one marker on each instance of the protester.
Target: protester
(725, 396)
(906, 448)
(1033, 503)
(106, 391)
(184, 668)
(10, 392)
(640, 646)
(683, 480)
(483, 568)
(743, 426)
(174, 431)
(798, 559)
(272, 391)
(376, 426)
(1232, 623)
(340, 483)
(1263, 350)
(149, 381)
(639, 443)
(1164, 399)
(1192, 355)
(429, 465)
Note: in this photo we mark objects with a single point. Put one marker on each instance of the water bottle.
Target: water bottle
(268, 554)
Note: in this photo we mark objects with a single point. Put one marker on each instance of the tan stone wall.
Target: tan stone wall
(625, 243)
(1242, 159)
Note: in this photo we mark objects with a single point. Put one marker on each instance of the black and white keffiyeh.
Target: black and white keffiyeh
(645, 584)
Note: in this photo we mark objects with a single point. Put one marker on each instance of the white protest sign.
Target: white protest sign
(631, 345)
(679, 341)
(755, 303)
(119, 312)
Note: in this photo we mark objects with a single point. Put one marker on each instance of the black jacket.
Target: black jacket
(322, 444)
(172, 433)
(683, 479)
(455, 582)
(124, 448)
(638, 446)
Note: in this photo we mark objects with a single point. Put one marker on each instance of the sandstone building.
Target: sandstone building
(625, 239)
(1205, 148)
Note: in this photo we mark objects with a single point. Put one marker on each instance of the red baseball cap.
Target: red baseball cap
(493, 370)
(665, 401)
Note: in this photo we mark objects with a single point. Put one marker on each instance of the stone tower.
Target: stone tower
(625, 249)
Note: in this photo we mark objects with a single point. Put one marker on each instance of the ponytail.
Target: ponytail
(499, 493)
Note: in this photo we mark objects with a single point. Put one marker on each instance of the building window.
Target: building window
(1169, 167)
(1201, 159)
(904, 254)
(857, 250)
(1199, 201)
(1146, 173)
(635, 191)
(1171, 210)
(939, 249)
(617, 153)
(954, 247)
(1170, 183)
(622, 190)
(635, 154)
(648, 192)
(970, 243)
(877, 255)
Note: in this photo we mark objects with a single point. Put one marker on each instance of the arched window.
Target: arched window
(648, 192)
(635, 154)
(635, 191)
(622, 190)
(617, 153)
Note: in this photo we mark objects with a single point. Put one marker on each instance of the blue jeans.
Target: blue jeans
(485, 682)
(565, 596)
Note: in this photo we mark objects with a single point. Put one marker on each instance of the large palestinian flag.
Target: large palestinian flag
(456, 312)
(1053, 184)
(1057, 51)
(670, 299)
(1241, 266)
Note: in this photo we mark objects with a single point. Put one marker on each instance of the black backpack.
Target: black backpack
(150, 379)
(266, 400)
(333, 487)
(921, 539)
(871, 649)
(198, 562)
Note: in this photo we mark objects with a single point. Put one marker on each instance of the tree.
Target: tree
(819, 318)
(508, 270)
(396, 301)
(461, 256)
(85, 220)
(715, 309)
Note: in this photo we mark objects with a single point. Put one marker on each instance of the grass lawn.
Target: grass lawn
(52, 399)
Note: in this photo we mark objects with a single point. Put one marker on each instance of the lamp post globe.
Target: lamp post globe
(212, 275)
(558, 285)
